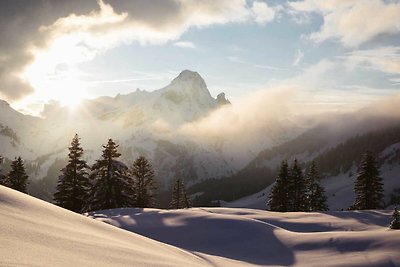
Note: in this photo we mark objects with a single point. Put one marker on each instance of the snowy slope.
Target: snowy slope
(36, 233)
(267, 238)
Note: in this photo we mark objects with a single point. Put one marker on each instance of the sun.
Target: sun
(71, 101)
(55, 75)
(69, 91)
(62, 84)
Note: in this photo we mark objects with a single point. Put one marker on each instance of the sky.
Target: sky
(326, 51)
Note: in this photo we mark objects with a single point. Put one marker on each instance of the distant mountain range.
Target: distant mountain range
(162, 126)
(336, 145)
(142, 123)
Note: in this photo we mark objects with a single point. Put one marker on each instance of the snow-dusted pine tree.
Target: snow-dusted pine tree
(395, 224)
(315, 192)
(297, 186)
(179, 196)
(112, 187)
(143, 175)
(368, 186)
(278, 198)
(73, 188)
(17, 177)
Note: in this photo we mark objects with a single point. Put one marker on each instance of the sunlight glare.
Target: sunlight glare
(55, 81)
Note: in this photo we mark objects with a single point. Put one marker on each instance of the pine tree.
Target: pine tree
(143, 174)
(112, 187)
(179, 196)
(368, 186)
(3, 178)
(278, 199)
(17, 177)
(315, 192)
(297, 187)
(73, 188)
(395, 224)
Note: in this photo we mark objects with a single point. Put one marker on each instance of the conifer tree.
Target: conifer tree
(315, 192)
(73, 188)
(278, 198)
(17, 177)
(3, 178)
(179, 196)
(395, 224)
(112, 187)
(297, 187)
(143, 174)
(368, 186)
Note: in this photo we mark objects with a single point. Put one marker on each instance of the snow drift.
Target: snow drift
(36, 233)
(256, 237)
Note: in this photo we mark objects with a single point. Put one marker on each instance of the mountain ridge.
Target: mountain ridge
(141, 122)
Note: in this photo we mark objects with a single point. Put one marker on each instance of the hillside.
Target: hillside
(336, 146)
(338, 166)
(36, 233)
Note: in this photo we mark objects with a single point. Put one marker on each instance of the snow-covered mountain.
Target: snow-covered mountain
(155, 124)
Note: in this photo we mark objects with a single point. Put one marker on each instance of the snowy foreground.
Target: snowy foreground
(36, 233)
(255, 237)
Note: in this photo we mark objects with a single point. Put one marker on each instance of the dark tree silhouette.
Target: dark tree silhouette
(297, 187)
(315, 192)
(17, 177)
(143, 175)
(112, 186)
(3, 178)
(179, 196)
(73, 188)
(368, 186)
(395, 224)
(278, 198)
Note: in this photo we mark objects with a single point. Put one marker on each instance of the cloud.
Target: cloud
(263, 13)
(185, 44)
(40, 36)
(268, 67)
(259, 66)
(321, 6)
(331, 85)
(297, 57)
(395, 80)
(19, 23)
(352, 22)
(237, 60)
(254, 119)
(385, 59)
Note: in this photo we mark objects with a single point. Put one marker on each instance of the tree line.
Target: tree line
(107, 184)
(110, 183)
(16, 178)
(294, 191)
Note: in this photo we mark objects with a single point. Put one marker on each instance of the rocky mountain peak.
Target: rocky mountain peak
(186, 75)
(189, 85)
(221, 99)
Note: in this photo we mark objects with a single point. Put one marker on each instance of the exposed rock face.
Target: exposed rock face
(221, 100)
